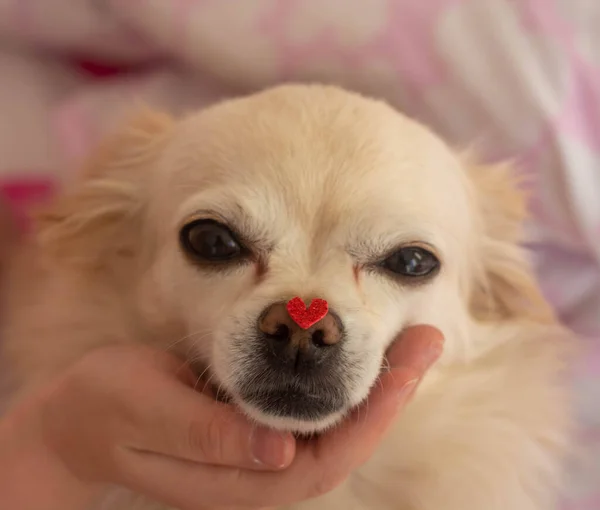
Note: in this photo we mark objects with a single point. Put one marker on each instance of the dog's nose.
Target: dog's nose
(294, 346)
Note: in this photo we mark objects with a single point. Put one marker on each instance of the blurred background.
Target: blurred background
(518, 79)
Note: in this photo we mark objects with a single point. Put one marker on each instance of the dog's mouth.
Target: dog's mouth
(294, 402)
(287, 402)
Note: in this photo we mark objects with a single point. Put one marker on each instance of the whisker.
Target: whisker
(202, 374)
(218, 391)
(386, 367)
(176, 342)
(209, 379)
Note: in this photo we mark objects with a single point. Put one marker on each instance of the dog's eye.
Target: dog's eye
(412, 261)
(210, 241)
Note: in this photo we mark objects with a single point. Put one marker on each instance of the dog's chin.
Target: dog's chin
(299, 406)
(301, 416)
(290, 422)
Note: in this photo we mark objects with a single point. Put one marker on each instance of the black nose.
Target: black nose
(295, 348)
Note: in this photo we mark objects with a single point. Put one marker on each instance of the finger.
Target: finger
(319, 465)
(408, 359)
(417, 346)
(352, 443)
(193, 426)
(188, 486)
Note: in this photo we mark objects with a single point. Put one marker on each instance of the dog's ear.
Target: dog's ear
(505, 286)
(102, 213)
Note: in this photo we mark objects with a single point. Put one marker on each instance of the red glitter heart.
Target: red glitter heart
(305, 316)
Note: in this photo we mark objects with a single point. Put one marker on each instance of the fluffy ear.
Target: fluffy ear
(505, 286)
(101, 214)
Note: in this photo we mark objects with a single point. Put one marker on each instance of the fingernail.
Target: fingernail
(406, 391)
(270, 448)
(425, 355)
(432, 353)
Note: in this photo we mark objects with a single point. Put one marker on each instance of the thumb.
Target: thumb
(417, 348)
(413, 353)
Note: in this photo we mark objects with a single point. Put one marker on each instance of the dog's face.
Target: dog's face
(306, 192)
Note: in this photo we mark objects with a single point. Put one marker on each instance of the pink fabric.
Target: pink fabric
(21, 195)
(521, 79)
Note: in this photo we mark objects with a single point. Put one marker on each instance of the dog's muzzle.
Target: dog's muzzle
(296, 370)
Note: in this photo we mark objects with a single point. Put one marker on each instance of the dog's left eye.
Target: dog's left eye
(210, 241)
(412, 261)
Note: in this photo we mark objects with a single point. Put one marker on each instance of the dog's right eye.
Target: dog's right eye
(210, 241)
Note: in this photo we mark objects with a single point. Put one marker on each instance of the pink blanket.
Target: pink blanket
(520, 79)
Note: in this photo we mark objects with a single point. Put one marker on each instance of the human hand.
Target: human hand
(128, 415)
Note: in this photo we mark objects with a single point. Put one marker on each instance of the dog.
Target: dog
(206, 228)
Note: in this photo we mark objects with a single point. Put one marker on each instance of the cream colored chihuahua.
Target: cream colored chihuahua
(288, 237)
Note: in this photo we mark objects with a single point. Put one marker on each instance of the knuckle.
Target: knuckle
(206, 440)
(117, 468)
(326, 483)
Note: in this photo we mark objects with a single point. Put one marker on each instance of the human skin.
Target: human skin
(98, 423)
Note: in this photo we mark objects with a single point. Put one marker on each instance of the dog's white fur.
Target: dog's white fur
(322, 177)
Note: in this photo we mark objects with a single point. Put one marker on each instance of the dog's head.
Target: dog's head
(300, 191)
